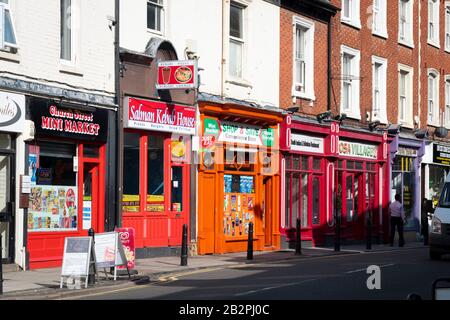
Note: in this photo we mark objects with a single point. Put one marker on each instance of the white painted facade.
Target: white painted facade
(203, 26)
(37, 60)
(37, 25)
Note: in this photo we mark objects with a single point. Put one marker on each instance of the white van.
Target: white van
(440, 224)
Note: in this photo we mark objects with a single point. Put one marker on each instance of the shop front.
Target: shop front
(156, 170)
(12, 118)
(435, 168)
(406, 157)
(238, 179)
(326, 171)
(66, 163)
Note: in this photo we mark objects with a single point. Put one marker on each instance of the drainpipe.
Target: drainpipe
(119, 142)
(329, 48)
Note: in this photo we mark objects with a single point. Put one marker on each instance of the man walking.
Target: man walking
(397, 214)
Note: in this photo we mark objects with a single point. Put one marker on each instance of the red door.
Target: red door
(90, 216)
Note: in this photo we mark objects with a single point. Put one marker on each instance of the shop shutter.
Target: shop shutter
(57, 149)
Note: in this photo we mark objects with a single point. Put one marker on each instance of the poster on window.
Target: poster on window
(52, 208)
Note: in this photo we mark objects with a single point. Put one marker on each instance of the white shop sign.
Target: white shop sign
(12, 112)
(300, 142)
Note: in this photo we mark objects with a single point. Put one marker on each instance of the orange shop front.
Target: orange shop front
(238, 180)
(156, 177)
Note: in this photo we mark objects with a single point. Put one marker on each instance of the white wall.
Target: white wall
(198, 23)
(37, 26)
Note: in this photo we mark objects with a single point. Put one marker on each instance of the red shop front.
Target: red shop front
(156, 170)
(327, 169)
(66, 165)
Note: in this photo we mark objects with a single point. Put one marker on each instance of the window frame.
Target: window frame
(354, 111)
(75, 38)
(158, 6)
(383, 63)
(435, 112)
(241, 41)
(7, 7)
(353, 19)
(308, 93)
(447, 26)
(381, 14)
(447, 101)
(407, 121)
(434, 41)
(408, 40)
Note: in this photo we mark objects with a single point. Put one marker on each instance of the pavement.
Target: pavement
(44, 283)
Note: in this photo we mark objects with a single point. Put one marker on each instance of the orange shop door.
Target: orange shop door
(207, 207)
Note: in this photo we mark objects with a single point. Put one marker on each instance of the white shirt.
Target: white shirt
(396, 210)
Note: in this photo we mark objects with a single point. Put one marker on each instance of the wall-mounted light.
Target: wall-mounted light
(441, 132)
(340, 117)
(421, 133)
(374, 124)
(293, 109)
(323, 116)
(394, 128)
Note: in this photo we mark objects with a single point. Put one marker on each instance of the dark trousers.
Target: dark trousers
(397, 222)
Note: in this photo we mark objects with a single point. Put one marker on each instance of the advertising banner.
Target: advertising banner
(177, 74)
(127, 238)
(159, 116)
(358, 150)
(300, 142)
(441, 154)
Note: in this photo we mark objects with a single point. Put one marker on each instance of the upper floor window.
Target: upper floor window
(433, 97)
(405, 18)
(379, 18)
(379, 89)
(155, 15)
(433, 22)
(447, 101)
(6, 25)
(350, 82)
(405, 95)
(303, 59)
(350, 12)
(447, 27)
(237, 43)
(66, 30)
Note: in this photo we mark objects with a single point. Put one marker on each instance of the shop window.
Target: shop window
(305, 195)
(350, 164)
(177, 189)
(288, 160)
(295, 199)
(436, 181)
(317, 164)
(316, 202)
(296, 163)
(239, 200)
(340, 164)
(403, 176)
(54, 194)
(155, 173)
(91, 151)
(287, 221)
(359, 166)
(5, 141)
(131, 198)
(305, 163)
(237, 159)
(349, 193)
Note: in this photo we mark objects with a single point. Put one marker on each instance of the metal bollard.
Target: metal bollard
(184, 248)
(91, 277)
(369, 232)
(250, 242)
(337, 240)
(298, 245)
(1, 265)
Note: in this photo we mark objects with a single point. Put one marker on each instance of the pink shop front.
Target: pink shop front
(329, 169)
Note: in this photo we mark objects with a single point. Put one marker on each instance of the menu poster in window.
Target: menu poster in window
(32, 167)
(130, 203)
(228, 181)
(52, 208)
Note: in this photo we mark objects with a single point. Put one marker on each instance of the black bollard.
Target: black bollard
(91, 277)
(337, 239)
(250, 242)
(298, 245)
(184, 248)
(1, 266)
(369, 232)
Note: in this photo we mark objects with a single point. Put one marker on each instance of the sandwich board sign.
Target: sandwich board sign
(76, 258)
(109, 252)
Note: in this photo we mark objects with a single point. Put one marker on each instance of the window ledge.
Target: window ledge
(304, 95)
(353, 23)
(382, 34)
(14, 57)
(70, 70)
(351, 115)
(406, 124)
(434, 44)
(239, 82)
(433, 124)
(409, 44)
(383, 120)
(447, 50)
(155, 32)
